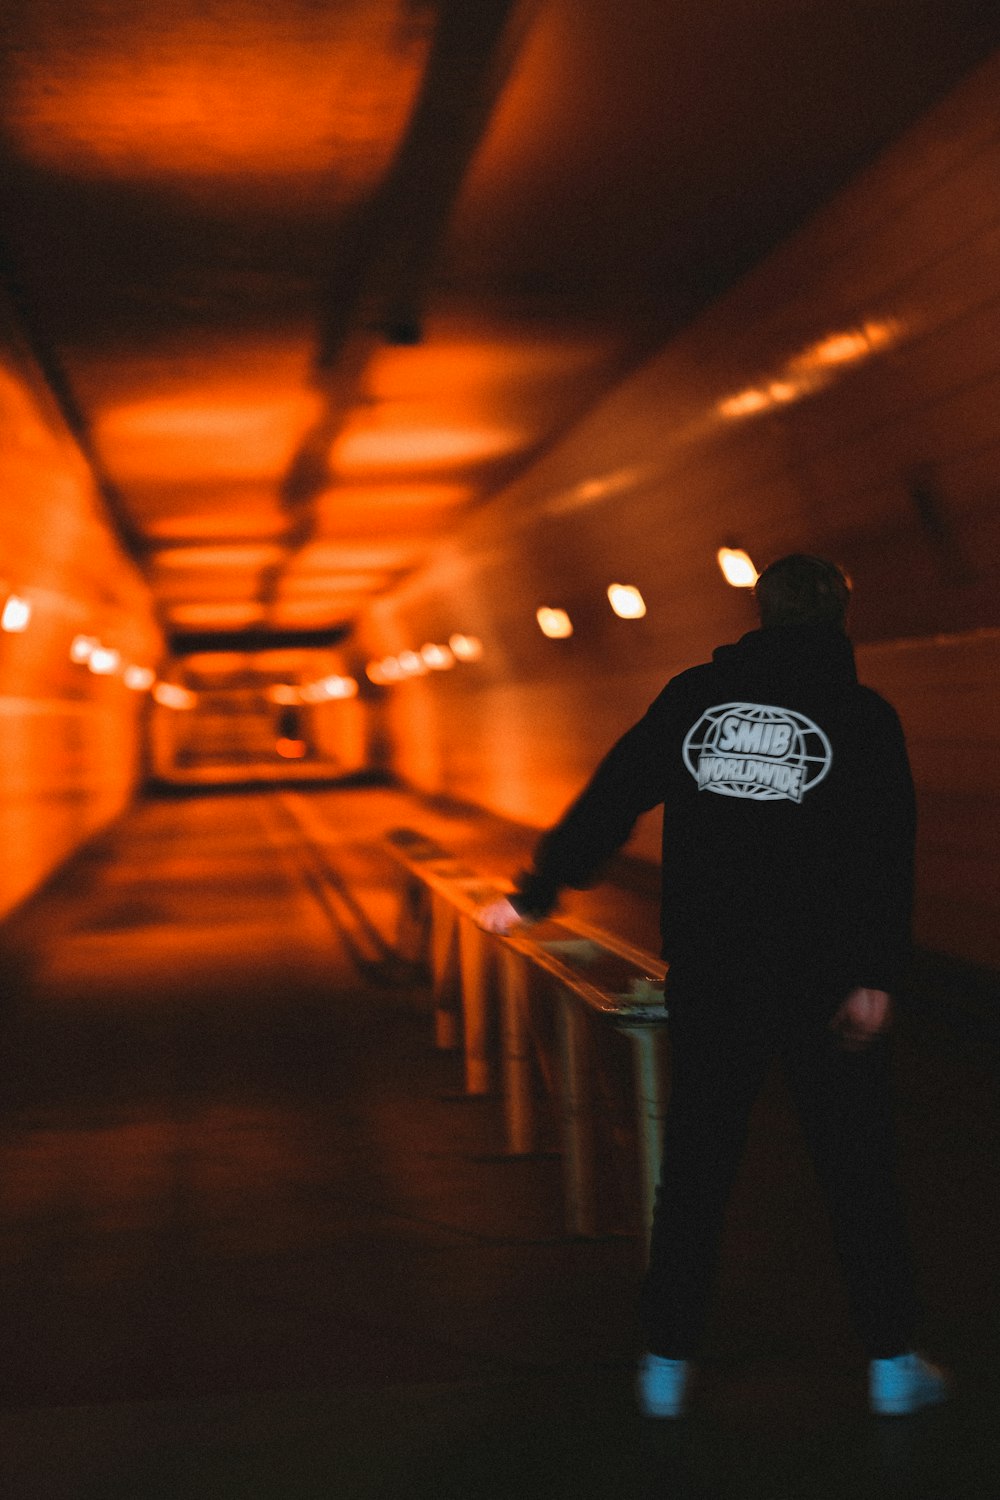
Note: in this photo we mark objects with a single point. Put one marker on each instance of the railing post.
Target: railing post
(650, 1104)
(444, 972)
(412, 922)
(576, 1100)
(473, 961)
(519, 1108)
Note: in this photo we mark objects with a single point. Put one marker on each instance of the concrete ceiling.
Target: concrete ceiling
(313, 278)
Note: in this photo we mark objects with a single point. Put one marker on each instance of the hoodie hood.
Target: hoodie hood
(815, 660)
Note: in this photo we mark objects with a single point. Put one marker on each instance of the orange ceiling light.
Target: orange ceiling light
(251, 555)
(466, 647)
(224, 615)
(554, 623)
(179, 438)
(189, 92)
(229, 511)
(813, 368)
(626, 601)
(737, 567)
(16, 615)
(851, 345)
(463, 365)
(171, 695)
(404, 438)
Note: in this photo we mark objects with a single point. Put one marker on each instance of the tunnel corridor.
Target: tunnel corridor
(394, 395)
(257, 1240)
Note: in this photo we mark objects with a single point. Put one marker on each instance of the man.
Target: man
(788, 838)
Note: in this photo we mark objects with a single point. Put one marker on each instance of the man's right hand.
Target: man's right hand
(500, 917)
(863, 1015)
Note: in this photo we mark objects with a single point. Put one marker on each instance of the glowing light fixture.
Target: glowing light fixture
(329, 687)
(421, 447)
(438, 658)
(626, 601)
(139, 679)
(291, 749)
(283, 692)
(412, 664)
(744, 404)
(737, 567)
(170, 695)
(103, 661)
(81, 648)
(16, 615)
(555, 623)
(466, 647)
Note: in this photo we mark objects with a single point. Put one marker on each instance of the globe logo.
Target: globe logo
(756, 751)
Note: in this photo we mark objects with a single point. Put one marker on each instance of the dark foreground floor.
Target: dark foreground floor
(254, 1244)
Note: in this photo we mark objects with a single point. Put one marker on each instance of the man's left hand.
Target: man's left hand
(499, 916)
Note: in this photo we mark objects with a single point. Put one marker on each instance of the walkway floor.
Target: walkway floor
(254, 1243)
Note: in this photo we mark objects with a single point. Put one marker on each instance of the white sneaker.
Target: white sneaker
(897, 1387)
(661, 1386)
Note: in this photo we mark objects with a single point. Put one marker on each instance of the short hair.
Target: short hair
(802, 590)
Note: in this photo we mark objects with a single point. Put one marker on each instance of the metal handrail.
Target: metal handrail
(623, 988)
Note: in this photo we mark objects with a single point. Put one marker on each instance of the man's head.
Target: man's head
(802, 590)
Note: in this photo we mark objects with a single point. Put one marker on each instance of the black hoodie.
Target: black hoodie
(788, 823)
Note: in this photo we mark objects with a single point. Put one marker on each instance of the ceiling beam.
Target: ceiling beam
(259, 638)
(375, 283)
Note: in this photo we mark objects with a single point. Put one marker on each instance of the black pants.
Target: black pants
(720, 1055)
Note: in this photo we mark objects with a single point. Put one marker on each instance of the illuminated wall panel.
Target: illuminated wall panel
(872, 341)
(69, 740)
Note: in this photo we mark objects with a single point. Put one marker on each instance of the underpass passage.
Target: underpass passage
(256, 1240)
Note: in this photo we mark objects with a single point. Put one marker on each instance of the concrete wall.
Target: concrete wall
(843, 400)
(69, 740)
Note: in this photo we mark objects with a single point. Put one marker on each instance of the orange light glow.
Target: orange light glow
(291, 749)
(139, 679)
(16, 615)
(626, 601)
(283, 692)
(384, 672)
(220, 91)
(555, 623)
(447, 361)
(745, 404)
(81, 647)
(238, 434)
(103, 661)
(170, 695)
(329, 689)
(814, 367)
(340, 687)
(250, 555)
(412, 440)
(225, 614)
(466, 647)
(438, 658)
(737, 567)
(412, 664)
(351, 509)
(851, 345)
